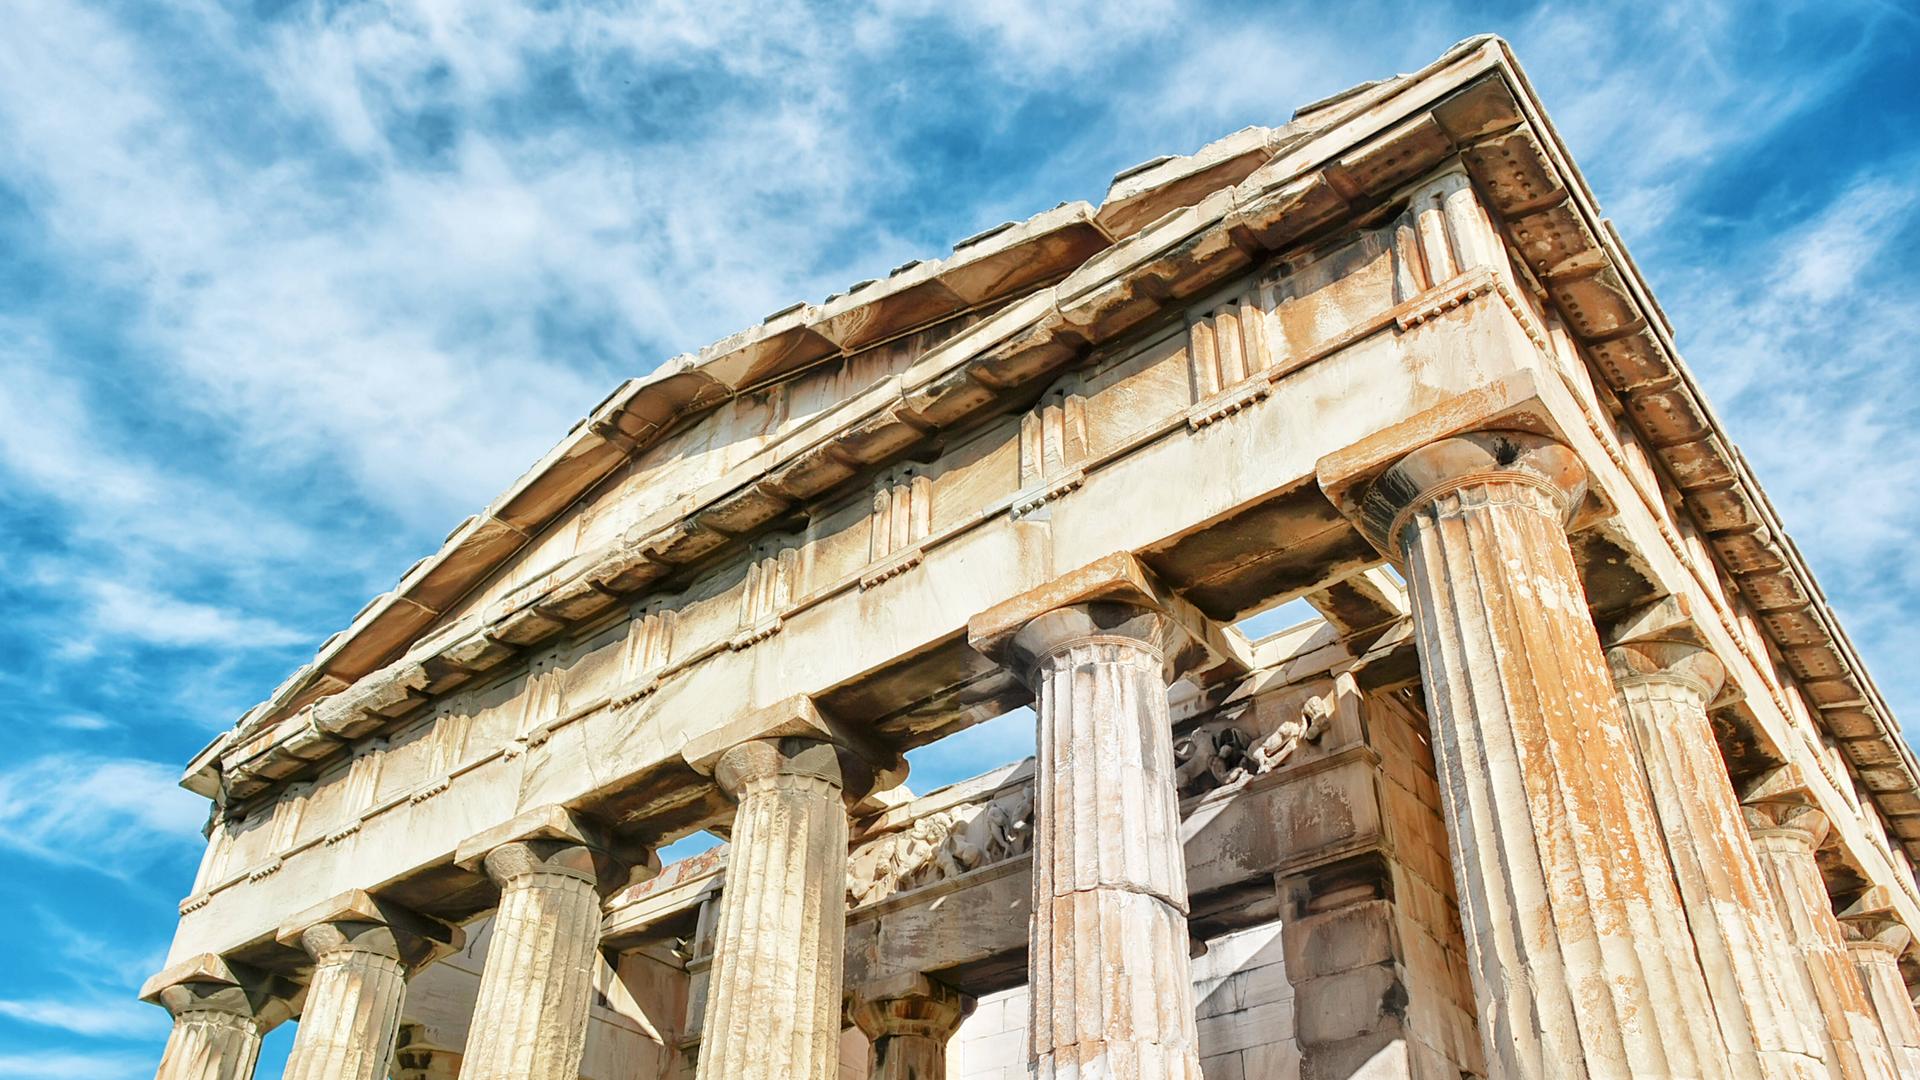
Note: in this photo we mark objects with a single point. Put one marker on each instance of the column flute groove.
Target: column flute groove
(774, 1007)
(1108, 965)
(1582, 961)
(1664, 689)
(537, 984)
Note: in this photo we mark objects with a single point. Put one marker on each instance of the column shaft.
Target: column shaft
(346, 1031)
(1784, 837)
(1879, 969)
(773, 1006)
(530, 1016)
(1108, 956)
(1581, 960)
(210, 1044)
(1665, 688)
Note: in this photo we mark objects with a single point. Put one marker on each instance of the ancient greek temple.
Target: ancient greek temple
(1574, 774)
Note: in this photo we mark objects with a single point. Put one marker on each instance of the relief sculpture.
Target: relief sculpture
(941, 846)
(1223, 754)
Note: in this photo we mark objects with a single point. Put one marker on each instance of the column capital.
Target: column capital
(908, 1004)
(557, 840)
(1444, 467)
(1112, 598)
(1872, 921)
(1779, 803)
(357, 920)
(794, 737)
(1682, 662)
(211, 983)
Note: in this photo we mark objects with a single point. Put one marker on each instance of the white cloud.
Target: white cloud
(118, 1017)
(64, 1065)
(110, 814)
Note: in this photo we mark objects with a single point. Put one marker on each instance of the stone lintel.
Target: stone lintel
(558, 824)
(796, 717)
(1514, 402)
(415, 938)
(1669, 618)
(207, 980)
(1199, 647)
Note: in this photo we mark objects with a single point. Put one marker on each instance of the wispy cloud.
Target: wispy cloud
(114, 815)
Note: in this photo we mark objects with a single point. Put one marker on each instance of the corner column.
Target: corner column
(1109, 980)
(1581, 961)
(363, 951)
(1665, 687)
(1787, 828)
(1876, 939)
(220, 1011)
(530, 1014)
(909, 1018)
(774, 991)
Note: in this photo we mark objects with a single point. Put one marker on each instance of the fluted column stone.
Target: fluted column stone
(1665, 687)
(530, 1014)
(1108, 974)
(220, 1011)
(773, 998)
(363, 951)
(1876, 939)
(1787, 829)
(1581, 960)
(909, 1019)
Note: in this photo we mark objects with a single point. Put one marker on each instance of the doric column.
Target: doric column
(530, 1014)
(773, 994)
(363, 950)
(1107, 961)
(909, 1018)
(1665, 687)
(220, 1011)
(1787, 829)
(1876, 939)
(1581, 961)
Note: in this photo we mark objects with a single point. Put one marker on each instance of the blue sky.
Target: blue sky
(288, 289)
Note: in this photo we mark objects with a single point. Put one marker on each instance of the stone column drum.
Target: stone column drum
(1665, 688)
(1107, 963)
(1876, 939)
(773, 1005)
(363, 951)
(1787, 829)
(1582, 965)
(530, 1013)
(220, 1011)
(909, 1020)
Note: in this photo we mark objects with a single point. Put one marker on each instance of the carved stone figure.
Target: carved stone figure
(1273, 751)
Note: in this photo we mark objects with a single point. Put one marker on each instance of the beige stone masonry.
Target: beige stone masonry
(909, 1020)
(530, 1019)
(1787, 829)
(220, 1011)
(1665, 687)
(363, 950)
(1581, 960)
(773, 1009)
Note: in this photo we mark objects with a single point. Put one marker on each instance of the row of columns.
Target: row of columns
(1626, 913)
